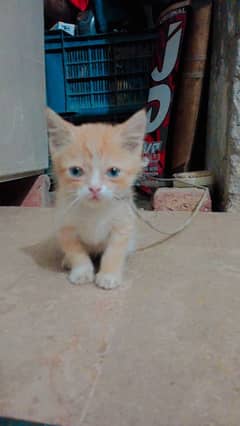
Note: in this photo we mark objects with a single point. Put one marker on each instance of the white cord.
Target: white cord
(181, 227)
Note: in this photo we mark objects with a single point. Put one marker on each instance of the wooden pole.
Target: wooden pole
(190, 88)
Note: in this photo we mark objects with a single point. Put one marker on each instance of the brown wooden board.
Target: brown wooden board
(190, 88)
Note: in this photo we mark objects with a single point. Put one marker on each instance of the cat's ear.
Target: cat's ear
(133, 131)
(59, 131)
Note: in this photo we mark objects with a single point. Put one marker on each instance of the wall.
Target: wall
(223, 138)
(23, 142)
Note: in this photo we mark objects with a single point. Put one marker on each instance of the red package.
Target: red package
(171, 30)
(82, 5)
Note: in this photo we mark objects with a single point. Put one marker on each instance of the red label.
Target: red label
(162, 87)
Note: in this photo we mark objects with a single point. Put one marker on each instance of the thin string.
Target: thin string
(168, 234)
(181, 228)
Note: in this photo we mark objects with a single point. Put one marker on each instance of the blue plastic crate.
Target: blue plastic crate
(98, 76)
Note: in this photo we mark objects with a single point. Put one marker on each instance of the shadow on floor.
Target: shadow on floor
(46, 254)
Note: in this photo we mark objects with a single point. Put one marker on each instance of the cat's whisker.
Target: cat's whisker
(66, 210)
(118, 198)
(75, 201)
(122, 197)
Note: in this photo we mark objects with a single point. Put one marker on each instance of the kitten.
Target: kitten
(95, 166)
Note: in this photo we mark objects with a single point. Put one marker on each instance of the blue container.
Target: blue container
(98, 76)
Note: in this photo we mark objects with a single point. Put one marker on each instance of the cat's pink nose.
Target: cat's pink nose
(94, 189)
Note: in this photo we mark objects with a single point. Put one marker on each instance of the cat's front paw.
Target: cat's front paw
(82, 274)
(107, 281)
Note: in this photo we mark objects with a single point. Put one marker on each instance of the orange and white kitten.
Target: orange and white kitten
(96, 165)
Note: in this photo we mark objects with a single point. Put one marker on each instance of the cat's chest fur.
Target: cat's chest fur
(94, 225)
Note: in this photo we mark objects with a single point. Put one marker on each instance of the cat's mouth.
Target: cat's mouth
(95, 197)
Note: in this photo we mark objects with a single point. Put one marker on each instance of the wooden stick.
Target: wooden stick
(190, 88)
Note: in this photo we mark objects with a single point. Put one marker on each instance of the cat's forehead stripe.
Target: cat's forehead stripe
(96, 138)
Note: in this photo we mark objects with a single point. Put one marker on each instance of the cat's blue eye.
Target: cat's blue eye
(76, 171)
(113, 172)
